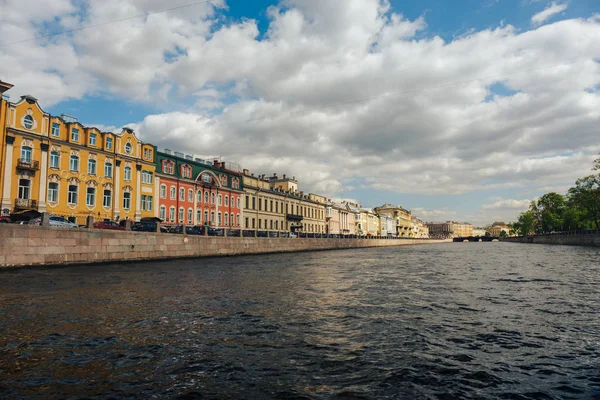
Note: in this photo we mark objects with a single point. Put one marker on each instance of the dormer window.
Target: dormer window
(128, 148)
(168, 167)
(75, 135)
(109, 143)
(186, 171)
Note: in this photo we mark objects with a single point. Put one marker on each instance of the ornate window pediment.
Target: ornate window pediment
(74, 181)
(127, 189)
(53, 178)
(93, 156)
(92, 184)
(75, 153)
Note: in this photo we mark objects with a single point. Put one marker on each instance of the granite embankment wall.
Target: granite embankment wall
(23, 245)
(591, 239)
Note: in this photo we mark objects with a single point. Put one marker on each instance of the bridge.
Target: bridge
(475, 239)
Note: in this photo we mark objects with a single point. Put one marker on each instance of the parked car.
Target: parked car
(190, 230)
(147, 226)
(55, 220)
(108, 225)
(5, 220)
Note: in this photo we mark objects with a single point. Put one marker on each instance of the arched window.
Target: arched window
(173, 193)
(91, 167)
(54, 159)
(212, 198)
(231, 220)
(237, 220)
(127, 173)
(206, 197)
(172, 214)
(190, 214)
(26, 152)
(219, 201)
(190, 195)
(90, 198)
(107, 198)
(108, 167)
(163, 192)
(226, 219)
(181, 211)
(181, 195)
(72, 197)
(199, 196)
(74, 163)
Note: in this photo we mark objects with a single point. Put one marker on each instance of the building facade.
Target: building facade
(369, 223)
(274, 204)
(193, 191)
(403, 217)
(56, 165)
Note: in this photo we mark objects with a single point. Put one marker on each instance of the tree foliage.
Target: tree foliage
(553, 212)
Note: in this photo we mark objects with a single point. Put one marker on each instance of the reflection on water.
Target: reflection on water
(467, 320)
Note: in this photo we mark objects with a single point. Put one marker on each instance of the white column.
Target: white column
(157, 196)
(43, 178)
(117, 191)
(138, 193)
(8, 174)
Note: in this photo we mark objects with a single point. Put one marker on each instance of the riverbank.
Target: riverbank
(25, 245)
(589, 238)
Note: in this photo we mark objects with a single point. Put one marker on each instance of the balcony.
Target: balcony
(30, 165)
(294, 217)
(25, 204)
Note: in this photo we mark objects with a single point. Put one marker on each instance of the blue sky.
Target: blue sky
(193, 79)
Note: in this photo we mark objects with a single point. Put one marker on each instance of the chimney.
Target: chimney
(284, 177)
(167, 151)
(223, 165)
(275, 175)
(216, 163)
(293, 178)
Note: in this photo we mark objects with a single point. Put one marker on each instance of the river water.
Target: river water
(460, 320)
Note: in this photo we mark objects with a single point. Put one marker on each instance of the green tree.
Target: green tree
(503, 234)
(551, 208)
(526, 225)
(585, 196)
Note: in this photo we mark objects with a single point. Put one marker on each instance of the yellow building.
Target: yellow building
(403, 217)
(369, 223)
(56, 165)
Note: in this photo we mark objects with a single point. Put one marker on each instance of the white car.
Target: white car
(55, 221)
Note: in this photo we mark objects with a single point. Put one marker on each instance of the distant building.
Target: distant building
(478, 232)
(403, 218)
(449, 229)
(498, 229)
(369, 222)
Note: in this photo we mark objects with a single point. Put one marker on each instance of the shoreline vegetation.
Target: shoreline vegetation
(577, 210)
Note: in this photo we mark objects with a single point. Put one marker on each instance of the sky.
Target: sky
(464, 110)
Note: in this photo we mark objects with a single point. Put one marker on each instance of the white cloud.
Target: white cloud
(508, 204)
(426, 121)
(552, 9)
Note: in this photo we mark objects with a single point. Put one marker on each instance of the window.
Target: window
(163, 212)
(72, 197)
(172, 214)
(231, 219)
(271, 206)
(276, 206)
(226, 202)
(198, 217)
(173, 192)
(271, 224)
(53, 192)
(219, 200)
(219, 220)
(181, 195)
(90, 198)
(206, 197)
(212, 198)
(55, 130)
(107, 199)
(168, 167)
(143, 202)
(190, 195)
(205, 217)
(75, 135)
(186, 171)
(276, 225)
(181, 211)
(126, 201)
(107, 169)
(92, 167)
(199, 197)
(92, 139)
(237, 220)
(148, 154)
(109, 143)
(24, 186)
(163, 192)
(253, 223)
(190, 214)
(26, 153)
(226, 219)
(147, 177)
(247, 225)
(127, 173)
(206, 178)
(128, 148)
(54, 159)
(254, 203)
(212, 216)
(28, 121)
(149, 203)
(260, 204)
(74, 163)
